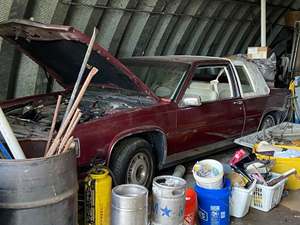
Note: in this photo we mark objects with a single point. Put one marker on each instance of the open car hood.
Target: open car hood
(61, 49)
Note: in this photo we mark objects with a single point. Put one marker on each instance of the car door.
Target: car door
(221, 113)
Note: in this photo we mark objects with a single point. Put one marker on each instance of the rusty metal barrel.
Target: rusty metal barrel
(39, 191)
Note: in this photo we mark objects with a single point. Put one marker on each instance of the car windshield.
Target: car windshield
(163, 78)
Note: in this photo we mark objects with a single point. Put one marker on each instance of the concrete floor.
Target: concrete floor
(288, 211)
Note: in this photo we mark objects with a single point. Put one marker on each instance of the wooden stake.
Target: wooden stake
(63, 127)
(53, 123)
(68, 144)
(70, 130)
(77, 112)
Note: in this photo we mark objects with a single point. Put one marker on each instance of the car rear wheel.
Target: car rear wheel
(268, 121)
(132, 162)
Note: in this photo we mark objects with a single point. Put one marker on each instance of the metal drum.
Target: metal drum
(39, 191)
(168, 200)
(129, 205)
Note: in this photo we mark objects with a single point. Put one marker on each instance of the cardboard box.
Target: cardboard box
(291, 18)
(258, 52)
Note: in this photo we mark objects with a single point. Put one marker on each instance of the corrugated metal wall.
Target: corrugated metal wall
(141, 27)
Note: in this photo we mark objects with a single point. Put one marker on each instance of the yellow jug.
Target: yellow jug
(97, 197)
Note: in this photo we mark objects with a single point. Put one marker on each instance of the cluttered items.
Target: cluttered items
(220, 191)
(48, 169)
(63, 138)
(45, 169)
(247, 180)
(170, 201)
(279, 144)
(253, 178)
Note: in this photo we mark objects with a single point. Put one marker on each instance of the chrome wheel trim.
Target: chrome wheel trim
(138, 169)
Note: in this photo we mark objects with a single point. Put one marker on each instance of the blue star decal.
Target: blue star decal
(165, 211)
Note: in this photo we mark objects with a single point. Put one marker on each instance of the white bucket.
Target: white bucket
(213, 181)
(240, 200)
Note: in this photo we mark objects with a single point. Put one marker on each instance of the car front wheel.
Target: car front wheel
(132, 162)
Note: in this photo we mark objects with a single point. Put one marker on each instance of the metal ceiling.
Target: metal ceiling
(142, 27)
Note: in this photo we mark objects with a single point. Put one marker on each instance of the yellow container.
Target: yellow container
(284, 164)
(97, 199)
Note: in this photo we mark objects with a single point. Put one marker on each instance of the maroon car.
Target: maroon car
(146, 112)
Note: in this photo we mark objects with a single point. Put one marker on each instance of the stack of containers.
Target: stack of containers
(213, 193)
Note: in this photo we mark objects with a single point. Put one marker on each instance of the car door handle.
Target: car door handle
(238, 102)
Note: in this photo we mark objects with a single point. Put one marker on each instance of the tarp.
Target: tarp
(267, 67)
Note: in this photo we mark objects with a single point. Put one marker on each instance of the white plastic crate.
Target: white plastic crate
(240, 200)
(266, 198)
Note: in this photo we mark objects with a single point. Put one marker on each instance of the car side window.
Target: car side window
(246, 84)
(210, 83)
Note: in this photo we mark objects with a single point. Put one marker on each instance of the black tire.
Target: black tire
(133, 162)
(268, 121)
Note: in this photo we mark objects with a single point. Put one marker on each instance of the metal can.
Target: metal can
(129, 205)
(168, 200)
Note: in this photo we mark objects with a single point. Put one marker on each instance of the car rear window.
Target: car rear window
(244, 79)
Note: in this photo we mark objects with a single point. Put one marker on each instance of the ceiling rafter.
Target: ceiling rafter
(131, 10)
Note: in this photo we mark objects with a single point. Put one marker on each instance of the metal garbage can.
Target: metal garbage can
(39, 191)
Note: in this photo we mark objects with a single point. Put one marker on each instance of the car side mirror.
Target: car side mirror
(191, 101)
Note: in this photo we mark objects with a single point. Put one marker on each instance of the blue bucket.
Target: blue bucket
(213, 205)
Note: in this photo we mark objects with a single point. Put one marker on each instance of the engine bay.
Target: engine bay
(33, 119)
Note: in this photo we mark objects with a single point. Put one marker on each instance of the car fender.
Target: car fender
(140, 130)
(282, 108)
(272, 110)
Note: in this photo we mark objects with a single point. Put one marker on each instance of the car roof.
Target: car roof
(186, 59)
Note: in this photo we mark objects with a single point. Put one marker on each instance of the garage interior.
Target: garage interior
(137, 112)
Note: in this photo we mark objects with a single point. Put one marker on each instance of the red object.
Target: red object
(190, 207)
(238, 156)
(175, 132)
